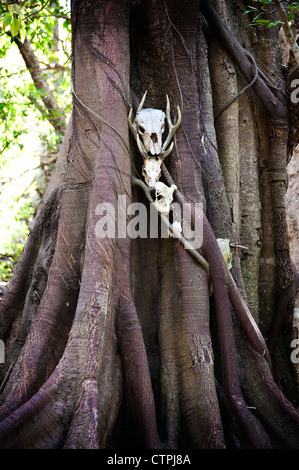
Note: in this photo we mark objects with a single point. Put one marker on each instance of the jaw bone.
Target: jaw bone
(164, 197)
(151, 171)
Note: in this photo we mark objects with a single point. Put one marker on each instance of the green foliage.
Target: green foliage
(26, 136)
(15, 226)
(17, 18)
(13, 21)
(258, 8)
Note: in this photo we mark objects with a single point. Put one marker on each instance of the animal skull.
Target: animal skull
(164, 197)
(151, 171)
(151, 125)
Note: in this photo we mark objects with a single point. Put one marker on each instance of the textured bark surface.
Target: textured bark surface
(292, 205)
(120, 343)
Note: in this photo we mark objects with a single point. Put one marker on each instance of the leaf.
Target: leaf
(14, 8)
(257, 17)
(250, 9)
(15, 26)
(274, 23)
(7, 18)
(23, 33)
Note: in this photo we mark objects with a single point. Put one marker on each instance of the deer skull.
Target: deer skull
(151, 171)
(164, 197)
(151, 125)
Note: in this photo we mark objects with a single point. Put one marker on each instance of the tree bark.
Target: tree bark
(120, 343)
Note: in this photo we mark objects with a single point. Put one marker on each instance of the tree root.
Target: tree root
(225, 289)
(139, 393)
(30, 425)
(278, 136)
(15, 295)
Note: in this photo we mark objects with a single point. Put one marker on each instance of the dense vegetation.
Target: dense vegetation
(28, 140)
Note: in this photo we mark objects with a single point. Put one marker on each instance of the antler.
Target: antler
(134, 129)
(172, 128)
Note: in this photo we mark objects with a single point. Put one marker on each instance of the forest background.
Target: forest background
(30, 131)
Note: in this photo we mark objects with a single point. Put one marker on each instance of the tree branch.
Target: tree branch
(273, 106)
(249, 85)
(55, 117)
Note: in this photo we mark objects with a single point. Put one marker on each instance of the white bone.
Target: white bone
(151, 125)
(164, 197)
(224, 245)
(177, 226)
(151, 171)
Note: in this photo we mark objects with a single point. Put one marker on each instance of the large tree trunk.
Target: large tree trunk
(113, 342)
